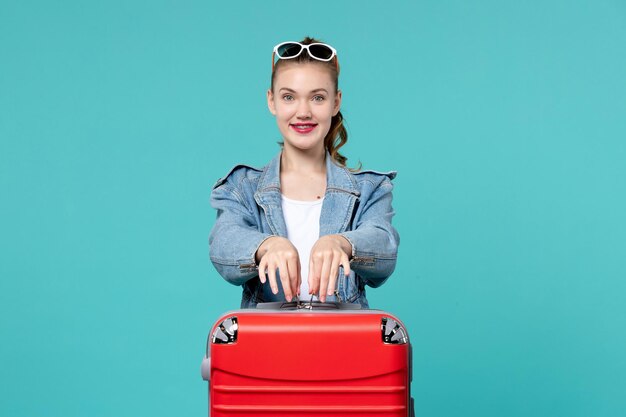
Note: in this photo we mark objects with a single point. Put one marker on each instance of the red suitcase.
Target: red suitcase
(309, 359)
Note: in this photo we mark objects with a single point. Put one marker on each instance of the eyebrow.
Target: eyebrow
(312, 91)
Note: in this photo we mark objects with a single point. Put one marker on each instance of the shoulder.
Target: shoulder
(371, 185)
(375, 174)
(239, 173)
(375, 178)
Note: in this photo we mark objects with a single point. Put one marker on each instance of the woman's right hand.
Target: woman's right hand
(278, 253)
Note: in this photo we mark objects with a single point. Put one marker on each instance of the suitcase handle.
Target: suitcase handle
(304, 305)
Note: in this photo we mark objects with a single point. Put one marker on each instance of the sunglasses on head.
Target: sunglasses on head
(289, 50)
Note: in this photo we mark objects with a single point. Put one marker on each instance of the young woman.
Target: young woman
(304, 225)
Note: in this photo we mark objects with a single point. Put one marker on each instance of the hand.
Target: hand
(279, 253)
(328, 253)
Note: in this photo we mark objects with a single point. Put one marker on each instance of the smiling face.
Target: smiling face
(304, 100)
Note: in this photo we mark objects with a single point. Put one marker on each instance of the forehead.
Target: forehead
(308, 76)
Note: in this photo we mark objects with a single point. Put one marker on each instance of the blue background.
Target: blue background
(506, 122)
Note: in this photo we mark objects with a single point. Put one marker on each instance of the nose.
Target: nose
(304, 112)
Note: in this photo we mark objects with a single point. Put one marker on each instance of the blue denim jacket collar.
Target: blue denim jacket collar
(339, 199)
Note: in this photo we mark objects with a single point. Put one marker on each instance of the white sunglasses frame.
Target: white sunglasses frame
(303, 47)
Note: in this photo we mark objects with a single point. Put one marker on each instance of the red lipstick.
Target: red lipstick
(303, 127)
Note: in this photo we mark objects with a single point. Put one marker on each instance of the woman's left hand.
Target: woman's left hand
(328, 253)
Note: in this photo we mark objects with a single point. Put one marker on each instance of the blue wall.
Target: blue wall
(505, 120)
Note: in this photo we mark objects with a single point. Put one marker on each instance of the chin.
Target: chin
(304, 146)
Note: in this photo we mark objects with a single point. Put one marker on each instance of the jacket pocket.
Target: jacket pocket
(348, 289)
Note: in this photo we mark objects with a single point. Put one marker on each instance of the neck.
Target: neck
(292, 160)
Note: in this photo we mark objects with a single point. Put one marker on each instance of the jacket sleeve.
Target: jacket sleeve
(235, 236)
(374, 240)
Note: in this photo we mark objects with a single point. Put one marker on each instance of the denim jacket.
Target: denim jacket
(249, 210)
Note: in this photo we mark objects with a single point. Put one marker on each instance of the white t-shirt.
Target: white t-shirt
(302, 219)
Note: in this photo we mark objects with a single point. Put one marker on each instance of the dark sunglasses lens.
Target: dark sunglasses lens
(289, 50)
(321, 51)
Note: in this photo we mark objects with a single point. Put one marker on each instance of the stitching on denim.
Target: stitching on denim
(228, 262)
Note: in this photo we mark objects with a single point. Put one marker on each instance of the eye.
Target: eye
(319, 98)
(287, 97)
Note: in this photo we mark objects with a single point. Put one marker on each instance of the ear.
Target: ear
(270, 102)
(337, 105)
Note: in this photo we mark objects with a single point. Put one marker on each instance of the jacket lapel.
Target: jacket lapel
(339, 200)
(268, 197)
